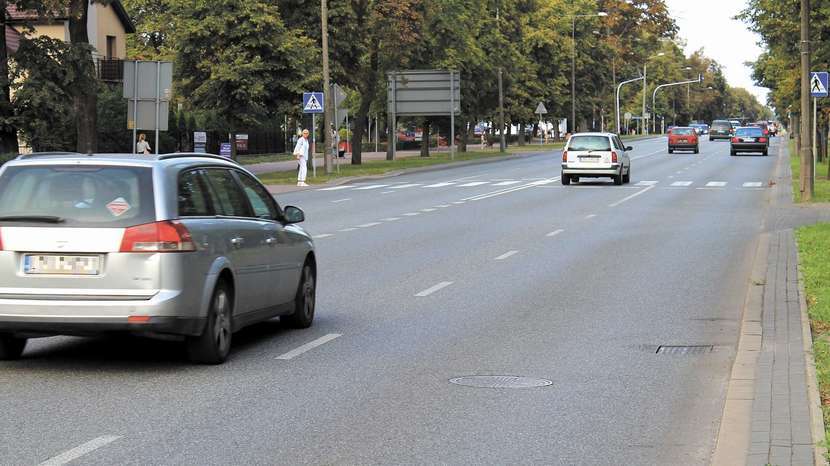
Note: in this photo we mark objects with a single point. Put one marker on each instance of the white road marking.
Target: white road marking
(507, 183)
(511, 190)
(391, 219)
(412, 214)
(404, 186)
(347, 229)
(474, 183)
(544, 182)
(506, 255)
(309, 346)
(661, 151)
(387, 192)
(646, 183)
(337, 188)
(554, 233)
(372, 186)
(439, 185)
(459, 202)
(716, 184)
(324, 235)
(79, 451)
(341, 200)
(682, 183)
(368, 225)
(428, 210)
(433, 289)
(590, 216)
(754, 184)
(443, 206)
(628, 198)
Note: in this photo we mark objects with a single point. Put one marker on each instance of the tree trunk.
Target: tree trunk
(84, 96)
(521, 134)
(425, 138)
(469, 127)
(8, 134)
(366, 95)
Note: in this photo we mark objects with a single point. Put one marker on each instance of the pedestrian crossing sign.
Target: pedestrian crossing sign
(818, 84)
(313, 102)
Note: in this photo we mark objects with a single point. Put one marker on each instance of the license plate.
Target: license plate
(749, 139)
(681, 140)
(35, 264)
(589, 158)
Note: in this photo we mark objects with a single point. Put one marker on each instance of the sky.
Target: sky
(708, 24)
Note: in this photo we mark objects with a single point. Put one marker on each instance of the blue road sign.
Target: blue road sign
(818, 84)
(313, 102)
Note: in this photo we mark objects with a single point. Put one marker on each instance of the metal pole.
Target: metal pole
(502, 145)
(452, 115)
(158, 102)
(573, 74)
(135, 106)
(815, 150)
(377, 123)
(643, 121)
(324, 15)
(807, 188)
(285, 133)
(619, 86)
(313, 143)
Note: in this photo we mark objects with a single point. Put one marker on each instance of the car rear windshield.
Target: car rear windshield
(683, 131)
(721, 125)
(77, 196)
(584, 143)
(749, 132)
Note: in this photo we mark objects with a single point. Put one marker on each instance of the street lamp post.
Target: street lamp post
(573, 64)
(644, 122)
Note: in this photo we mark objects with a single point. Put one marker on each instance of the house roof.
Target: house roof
(16, 14)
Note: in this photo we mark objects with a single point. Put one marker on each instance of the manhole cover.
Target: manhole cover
(500, 381)
(679, 350)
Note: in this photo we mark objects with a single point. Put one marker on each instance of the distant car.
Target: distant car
(749, 139)
(735, 124)
(720, 129)
(701, 128)
(683, 138)
(592, 155)
(189, 246)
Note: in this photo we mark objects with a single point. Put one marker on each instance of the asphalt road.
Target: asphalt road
(494, 269)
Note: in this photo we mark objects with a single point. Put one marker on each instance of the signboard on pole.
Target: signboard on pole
(200, 142)
(242, 142)
(149, 86)
(313, 102)
(225, 149)
(819, 84)
(541, 110)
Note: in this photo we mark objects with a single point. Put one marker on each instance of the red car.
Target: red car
(683, 138)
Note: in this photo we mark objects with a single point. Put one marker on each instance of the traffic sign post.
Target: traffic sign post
(314, 103)
(818, 90)
(541, 110)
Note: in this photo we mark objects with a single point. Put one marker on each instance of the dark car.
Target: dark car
(749, 139)
(720, 129)
(683, 138)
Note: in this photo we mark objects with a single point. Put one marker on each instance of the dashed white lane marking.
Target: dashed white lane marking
(79, 451)
(412, 214)
(324, 235)
(428, 210)
(511, 190)
(506, 183)
(404, 186)
(682, 183)
(506, 255)
(716, 184)
(347, 230)
(433, 289)
(337, 188)
(554, 233)
(372, 186)
(391, 219)
(439, 185)
(678, 172)
(544, 182)
(474, 183)
(590, 216)
(754, 184)
(387, 192)
(459, 202)
(628, 198)
(368, 225)
(309, 346)
(443, 206)
(646, 183)
(341, 200)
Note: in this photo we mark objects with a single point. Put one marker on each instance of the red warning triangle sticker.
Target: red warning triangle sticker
(118, 207)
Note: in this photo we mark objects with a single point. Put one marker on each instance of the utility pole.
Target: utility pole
(807, 188)
(327, 119)
(502, 147)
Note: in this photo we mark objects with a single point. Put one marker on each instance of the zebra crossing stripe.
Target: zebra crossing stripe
(682, 183)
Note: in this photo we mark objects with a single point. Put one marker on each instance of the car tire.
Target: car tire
(214, 344)
(304, 301)
(627, 176)
(671, 151)
(11, 348)
(766, 153)
(733, 153)
(697, 149)
(566, 179)
(618, 179)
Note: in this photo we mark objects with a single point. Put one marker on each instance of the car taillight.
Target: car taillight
(564, 156)
(736, 140)
(165, 236)
(762, 139)
(613, 157)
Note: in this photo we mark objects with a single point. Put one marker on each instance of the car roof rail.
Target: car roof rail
(181, 155)
(45, 154)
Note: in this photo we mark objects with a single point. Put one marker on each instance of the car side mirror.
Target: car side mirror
(293, 214)
(629, 148)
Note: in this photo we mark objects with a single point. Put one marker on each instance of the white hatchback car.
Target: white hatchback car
(596, 155)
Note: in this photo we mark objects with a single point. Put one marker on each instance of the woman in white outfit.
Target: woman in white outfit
(142, 147)
(301, 154)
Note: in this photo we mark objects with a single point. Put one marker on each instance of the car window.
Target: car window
(749, 132)
(683, 131)
(619, 144)
(193, 200)
(584, 143)
(261, 201)
(81, 195)
(226, 194)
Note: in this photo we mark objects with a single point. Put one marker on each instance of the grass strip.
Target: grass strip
(814, 254)
(822, 186)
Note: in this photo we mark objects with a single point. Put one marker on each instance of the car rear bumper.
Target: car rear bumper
(684, 145)
(757, 147)
(604, 170)
(719, 136)
(96, 325)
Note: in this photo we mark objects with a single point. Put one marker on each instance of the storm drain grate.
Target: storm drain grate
(500, 381)
(683, 350)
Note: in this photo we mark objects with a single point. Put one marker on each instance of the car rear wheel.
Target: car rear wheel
(304, 301)
(214, 344)
(766, 153)
(566, 179)
(618, 179)
(697, 149)
(671, 151)
(627, 176)
(11, 347)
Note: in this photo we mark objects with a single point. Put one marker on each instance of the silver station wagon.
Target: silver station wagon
(190, 245)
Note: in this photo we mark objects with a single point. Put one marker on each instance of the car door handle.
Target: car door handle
(237, 241)
(271, 241)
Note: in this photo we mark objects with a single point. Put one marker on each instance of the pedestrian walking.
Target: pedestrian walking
(142, 147)
(301, 154)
